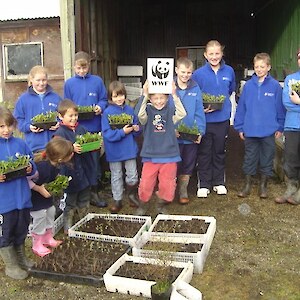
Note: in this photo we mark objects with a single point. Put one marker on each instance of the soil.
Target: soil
(254, 254)
(173, 247)
(112, 227)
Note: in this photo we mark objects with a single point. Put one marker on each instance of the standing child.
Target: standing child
(160, 150)
(259, 120)
(15, 202)
(39, 98)
(216, 79)
(291, 165)
(58, 152)
(87, 89)
(121, 147)
(82, 171)
(190, 95)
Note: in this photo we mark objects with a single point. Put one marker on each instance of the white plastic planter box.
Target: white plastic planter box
(145, 222)
(197, 258)
(205, 238)
(140, 287)
(184, 291)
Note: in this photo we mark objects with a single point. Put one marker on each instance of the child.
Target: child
(160, 150)
(214, 78)
(291, 101)
(39, 98)
(190, 95)
(121, 147)
(259, 120)
(15, 202)
(87, 89)
(83, 171)
(58, 151)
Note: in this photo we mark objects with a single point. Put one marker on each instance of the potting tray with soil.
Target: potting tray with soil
(175, 248)
(185, 226)
(111, 227)
(44, 125)
(135, 275)
(86, 115)
(79, 261)
(15, 174)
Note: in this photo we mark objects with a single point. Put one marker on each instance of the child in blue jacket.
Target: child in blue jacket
(215, 78)
(121, 147)
(15, 201)
(87, 89)
(39, 98)
(259, 120)
(190, 95)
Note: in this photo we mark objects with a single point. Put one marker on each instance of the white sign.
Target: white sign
(160, 73)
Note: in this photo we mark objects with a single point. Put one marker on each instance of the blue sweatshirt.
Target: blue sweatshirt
(84, 91)
(29, 105)
(191, 99)
(260, 112)
(292, 119)
(82, 169)
(118, 145)
(47, 173)
(220, 83)
(15, 194)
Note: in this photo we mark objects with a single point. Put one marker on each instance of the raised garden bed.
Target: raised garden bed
(79, 261)
(135, 275)
(111, 227)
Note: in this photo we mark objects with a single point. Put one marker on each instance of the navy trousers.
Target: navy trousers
(188, 154)
(211, 155)
(259, 153)
(14, 227)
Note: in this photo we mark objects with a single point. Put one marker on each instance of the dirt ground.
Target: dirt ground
(254, 254)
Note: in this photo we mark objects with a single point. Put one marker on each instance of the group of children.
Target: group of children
(168, 160)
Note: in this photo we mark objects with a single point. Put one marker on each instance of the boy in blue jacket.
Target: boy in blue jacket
(259, 120)
(121, 147)
(191, 98)
(86, 89)
(15, 201)
(291, 166)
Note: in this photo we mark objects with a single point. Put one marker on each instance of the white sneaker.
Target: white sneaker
(220, 189)
(203, 192)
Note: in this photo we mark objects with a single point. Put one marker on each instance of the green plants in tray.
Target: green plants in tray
(14, 168)
(57, 186)
(189, 133)
(296, 87)
(45, 120)
(86, 112)
(89, 141)
(215, 102)
(120, 120)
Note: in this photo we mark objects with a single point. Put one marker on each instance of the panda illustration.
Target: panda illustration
(161, 70)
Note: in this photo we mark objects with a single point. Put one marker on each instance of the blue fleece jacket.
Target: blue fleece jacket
(15, 194)
(292, 119)
(220, 83)
(29, 105)
(87, 90)
(191, 99)
(118, 145)
(260, 112)
(81, 169)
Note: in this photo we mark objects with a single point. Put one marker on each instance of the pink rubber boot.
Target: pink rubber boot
(37, 246)
(48, 239)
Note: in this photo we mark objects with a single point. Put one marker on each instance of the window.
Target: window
(19, 58)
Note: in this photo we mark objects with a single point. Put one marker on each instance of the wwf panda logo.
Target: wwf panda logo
(161, 70)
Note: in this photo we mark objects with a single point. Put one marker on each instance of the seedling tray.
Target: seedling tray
(88, 115)
(213, 105)
(15, 174)
(188, 136)
(118, 126)
(197, 258)
(144, 221)
(87, 147)
(138, 287)
(44, 125)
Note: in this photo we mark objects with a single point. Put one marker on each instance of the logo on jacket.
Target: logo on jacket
(158, 122)
(269, 94)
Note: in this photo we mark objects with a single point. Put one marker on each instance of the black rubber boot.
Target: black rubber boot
(247, 187)
(95, 200)
(23, 261)
(263, 192)
(133, 195)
